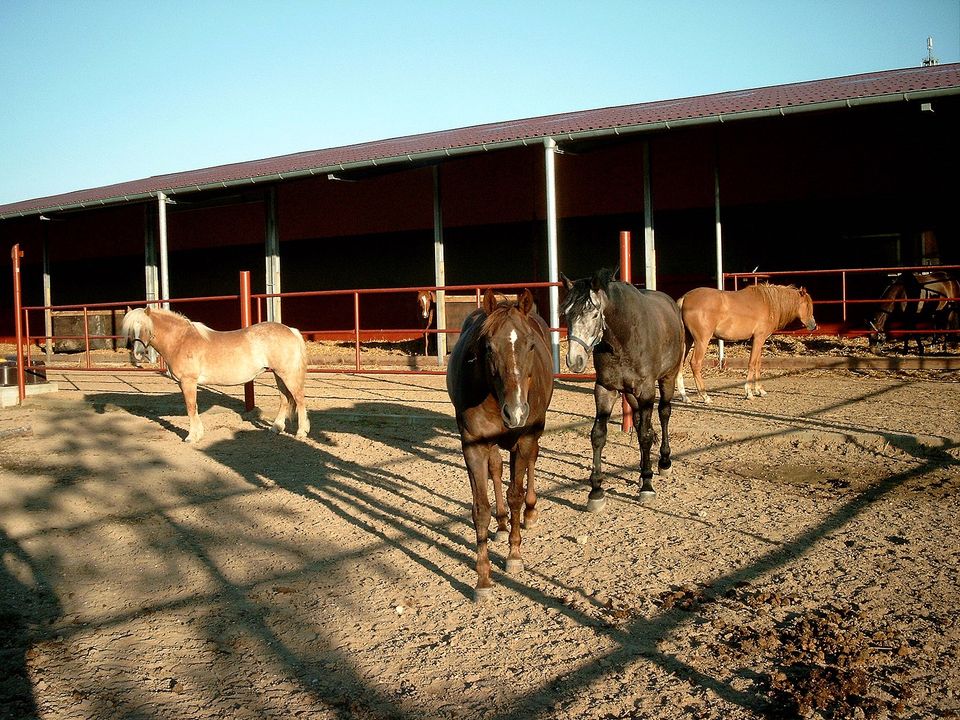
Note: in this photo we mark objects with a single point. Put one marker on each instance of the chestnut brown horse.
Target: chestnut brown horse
(636, 339)
(500, 380)
(427, 302)
(754, 312)
(196, 355)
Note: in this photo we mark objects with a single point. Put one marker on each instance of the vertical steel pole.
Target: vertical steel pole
(553, 270)
(151, 278)
(272, 243)
(47, 299)
(626, 275)
(249, 401)
(164, 264)
(719, 236)
(649, 243)
(439, 268)
(15, 255)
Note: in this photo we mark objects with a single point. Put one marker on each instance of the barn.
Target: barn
(857, 171)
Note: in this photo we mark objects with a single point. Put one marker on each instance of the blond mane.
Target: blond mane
(782, 301)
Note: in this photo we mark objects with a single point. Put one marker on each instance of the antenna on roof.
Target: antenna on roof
(930, 59)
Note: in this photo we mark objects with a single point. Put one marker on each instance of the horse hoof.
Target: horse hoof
(276, 429)
(301, 435)
(530, 519)
(514, 565)
(666, 471)
(596, 505)
(646, 495)
(707, 400)
(483, 594)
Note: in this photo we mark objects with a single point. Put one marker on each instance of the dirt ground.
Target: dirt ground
(801, 560)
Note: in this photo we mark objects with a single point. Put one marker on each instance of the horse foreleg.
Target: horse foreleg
(643, 404)
(476, 457)
(753, 368)
(605, 400)
(664, 409)
(530, 513)
(495, 466)
(189, 388)
(515, 493)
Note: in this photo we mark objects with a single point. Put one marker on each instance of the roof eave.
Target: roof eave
(445, 153)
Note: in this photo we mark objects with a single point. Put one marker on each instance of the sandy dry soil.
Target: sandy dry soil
(801, 559)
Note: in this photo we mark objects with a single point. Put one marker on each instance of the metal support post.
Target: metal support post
(649, 244)
(272, 247)
(440, 269)
(164, 264)
(553, 270)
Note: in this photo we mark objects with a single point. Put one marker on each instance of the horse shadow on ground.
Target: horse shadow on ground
(350, 490)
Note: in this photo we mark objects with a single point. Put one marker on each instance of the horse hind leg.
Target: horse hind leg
(696, 366)
(664, 409)
(280, 424)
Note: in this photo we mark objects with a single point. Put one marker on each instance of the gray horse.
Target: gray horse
(636, 337)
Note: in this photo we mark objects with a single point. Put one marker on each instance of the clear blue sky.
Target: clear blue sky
(97, 92)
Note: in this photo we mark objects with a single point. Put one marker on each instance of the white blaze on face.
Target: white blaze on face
(516, 369)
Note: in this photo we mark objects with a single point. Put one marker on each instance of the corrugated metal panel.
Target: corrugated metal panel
(891, 85)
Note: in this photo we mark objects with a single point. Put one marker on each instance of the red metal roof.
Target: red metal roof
(885, 86)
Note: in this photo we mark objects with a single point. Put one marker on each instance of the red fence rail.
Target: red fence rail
(847, 322)
(833, 291)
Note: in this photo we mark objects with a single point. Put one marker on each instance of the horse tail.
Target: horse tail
(303, 348)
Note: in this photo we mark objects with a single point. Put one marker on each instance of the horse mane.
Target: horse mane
(146, 319)
(781, 301)
(578, 297)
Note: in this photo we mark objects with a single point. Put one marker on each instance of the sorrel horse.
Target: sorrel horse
(427, 302)
(196, 355)
(636, 339)
(500, 380)
(929, 294)
(754, 312)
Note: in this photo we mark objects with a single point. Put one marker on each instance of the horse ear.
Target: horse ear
(567, 282)
(526, 301)
(489, 302)
(803, 291)
(146, 310)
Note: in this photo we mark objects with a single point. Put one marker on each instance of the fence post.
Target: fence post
(626, 275)
(356, 330)
(16, 254)
(249, 401)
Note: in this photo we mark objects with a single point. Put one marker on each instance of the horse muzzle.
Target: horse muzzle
(812, 325)
(515, 416)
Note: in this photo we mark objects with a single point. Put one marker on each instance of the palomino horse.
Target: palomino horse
(636, 338)
(753, 312)
(500, 380)
(196, 355)
(427, 302)
(932, 298)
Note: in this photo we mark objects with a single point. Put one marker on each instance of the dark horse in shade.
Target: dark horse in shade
(500, 380)
(636, 338)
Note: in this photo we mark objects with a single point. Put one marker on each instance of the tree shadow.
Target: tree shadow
(28, 606)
